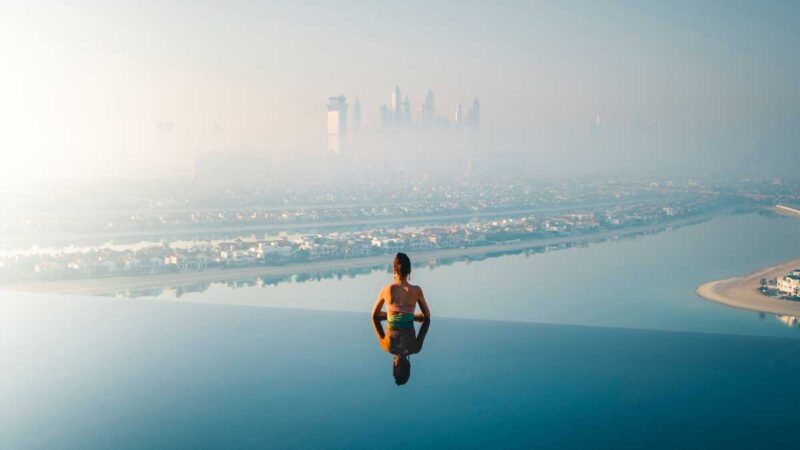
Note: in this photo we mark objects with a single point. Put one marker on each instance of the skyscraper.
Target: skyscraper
(397, 107)
(386, 117)
(406, 113)
(398, 113)
(428, 111)
(395, 98)
(357, 114)
(458, 117)
(337, 123)
(475, 114)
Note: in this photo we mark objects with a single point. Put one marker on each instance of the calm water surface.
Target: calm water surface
(103, 373)
(97, 372)
(646, 282)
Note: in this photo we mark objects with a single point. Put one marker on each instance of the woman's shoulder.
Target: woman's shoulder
(411, 287)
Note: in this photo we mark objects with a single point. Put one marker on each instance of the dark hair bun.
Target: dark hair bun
(402, 264)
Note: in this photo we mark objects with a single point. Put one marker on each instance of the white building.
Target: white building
(458, 117)
(790, 284)
(337, 123)
(284, 249)
(239, 258)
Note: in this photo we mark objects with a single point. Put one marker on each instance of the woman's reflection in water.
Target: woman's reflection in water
(402, 341)
(401, 299)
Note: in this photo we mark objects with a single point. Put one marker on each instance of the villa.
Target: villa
(790, 284)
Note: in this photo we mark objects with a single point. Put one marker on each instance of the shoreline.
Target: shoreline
(742, 292)
(114, 285)
(787, 211)
(142, 235)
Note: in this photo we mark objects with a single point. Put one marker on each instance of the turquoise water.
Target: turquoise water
(646, 282)
(104, 373)
(98, 372)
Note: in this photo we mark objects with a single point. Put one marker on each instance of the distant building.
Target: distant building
(458, 117)
(386, 119)
(406, 113)
(790, 284)
(475, 115)
(397, 107)
(337, 123)
(398, 113)
(357, 114)
(428, 111)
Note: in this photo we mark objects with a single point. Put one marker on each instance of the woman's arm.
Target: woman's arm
(423, 306)
(376, 309)
(378, 327)
(377, 316)
(423, 331)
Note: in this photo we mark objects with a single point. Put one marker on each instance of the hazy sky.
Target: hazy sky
(681, 87)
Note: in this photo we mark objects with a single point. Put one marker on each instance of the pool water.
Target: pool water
(647, 282)
(99, 373)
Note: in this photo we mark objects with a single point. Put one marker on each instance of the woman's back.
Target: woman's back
(402, 297)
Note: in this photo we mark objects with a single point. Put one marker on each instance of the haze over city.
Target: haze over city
(106, 89)
(399, 225)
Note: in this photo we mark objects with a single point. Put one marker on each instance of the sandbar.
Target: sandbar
(742, 292)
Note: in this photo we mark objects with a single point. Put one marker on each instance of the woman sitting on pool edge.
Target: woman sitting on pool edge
(401, 299)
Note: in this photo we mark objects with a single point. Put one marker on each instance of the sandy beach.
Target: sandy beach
(113, 285)
(742, 292)
(787, 211)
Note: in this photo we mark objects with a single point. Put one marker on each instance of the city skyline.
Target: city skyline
(401, 113)
(682, 89)
(397, 114)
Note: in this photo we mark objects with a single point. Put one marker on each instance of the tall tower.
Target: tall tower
(395, 98)
(475, 114)
(357, 114)
(337, 123)
(397, 107)
(458, 117)
(386, 117)
(406, 111)
(428, 111)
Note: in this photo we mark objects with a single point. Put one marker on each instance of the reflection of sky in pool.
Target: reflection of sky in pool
(102, 373)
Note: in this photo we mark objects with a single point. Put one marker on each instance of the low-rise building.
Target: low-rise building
(155, 264)
(790, 284)
(358, 248)
(239, 258)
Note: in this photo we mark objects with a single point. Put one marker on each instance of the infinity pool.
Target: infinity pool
(98, 373)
